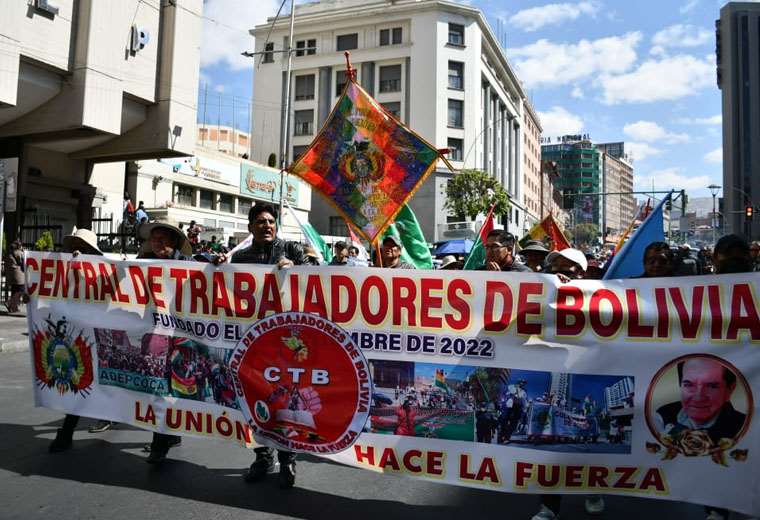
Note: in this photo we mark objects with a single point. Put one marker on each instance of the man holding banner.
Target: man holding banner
(266, 248)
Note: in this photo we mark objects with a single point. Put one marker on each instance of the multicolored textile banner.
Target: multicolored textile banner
(365, 162)
(511, 382)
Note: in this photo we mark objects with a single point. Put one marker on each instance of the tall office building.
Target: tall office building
(738, 70)
(435, 65)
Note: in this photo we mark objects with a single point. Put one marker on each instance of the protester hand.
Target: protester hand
(284, 263)
(493, 266)
(75, 253)
(562, 278)
(219, 259)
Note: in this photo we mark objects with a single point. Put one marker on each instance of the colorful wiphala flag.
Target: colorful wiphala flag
(440, 379)
(547, 228)
(365, 162)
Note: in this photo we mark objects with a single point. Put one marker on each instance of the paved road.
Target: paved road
(105, 475)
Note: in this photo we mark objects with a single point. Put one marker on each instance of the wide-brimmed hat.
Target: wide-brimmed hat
(81, 239)
(535, 245)
(183, 244)
(392, 239)
(447, 261)
(571, 254)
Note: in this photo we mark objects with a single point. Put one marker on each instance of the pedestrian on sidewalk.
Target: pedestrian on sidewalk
(14, 276)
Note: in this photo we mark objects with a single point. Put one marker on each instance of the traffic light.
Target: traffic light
(684, 201)
(568, 200)
(748, 212)
(669, 204)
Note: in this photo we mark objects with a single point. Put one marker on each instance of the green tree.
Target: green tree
(45, 242)
(585, 233)
(472, 192)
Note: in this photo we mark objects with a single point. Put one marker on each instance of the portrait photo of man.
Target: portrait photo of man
(706, 386)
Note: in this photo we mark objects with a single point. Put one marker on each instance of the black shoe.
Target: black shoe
(100, 427)
(263, 464)
(287, 474)
(174, 441)
(156, 456)
(62, 441)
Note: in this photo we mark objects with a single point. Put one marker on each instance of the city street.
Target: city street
(104, 475)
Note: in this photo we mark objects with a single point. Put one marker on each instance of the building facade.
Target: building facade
(434, 64)
(216, 191)
(225, 139)
(618, 210)
(88, 82)
(579, 167)
(738, 75)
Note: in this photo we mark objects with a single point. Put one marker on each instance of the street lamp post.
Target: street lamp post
(714, 188)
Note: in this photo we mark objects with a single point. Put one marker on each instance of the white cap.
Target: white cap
(571, 254)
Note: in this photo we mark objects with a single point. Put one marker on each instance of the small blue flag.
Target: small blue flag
(629, 261)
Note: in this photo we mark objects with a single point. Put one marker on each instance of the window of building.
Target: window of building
(455, 149)
(299, 151)
(390, 78)
(226, 224)
(456, 34)
(340, 82)
(209, 223)
(396, 35)
(456, 75)
(456, 113)
(304, 122)
(385, 37)
(304, 47)
(185, 195)
(338, 227)
(304, 87)
(394, 108)
(347, 42)
(206, 199)
(226, 203)
(268, 53)
(244, 206)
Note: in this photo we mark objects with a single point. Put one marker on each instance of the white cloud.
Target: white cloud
(219, 88)
(671, 178)
(548, 63)
(716, 156)
(227, 36)
(680, 36)
(577, 93)
(659, 80)
(559, 121)
(551, 14)
(688, 6)
(649, 131)
(641, 151)
(717, 119)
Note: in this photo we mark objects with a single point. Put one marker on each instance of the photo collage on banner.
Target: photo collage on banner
(552, 411)
(165, 366)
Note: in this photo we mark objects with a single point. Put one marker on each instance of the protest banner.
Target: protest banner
(506, 381)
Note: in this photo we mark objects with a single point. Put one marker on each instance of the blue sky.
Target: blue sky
(642, 72)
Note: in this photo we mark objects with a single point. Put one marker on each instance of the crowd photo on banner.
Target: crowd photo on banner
(253, 341)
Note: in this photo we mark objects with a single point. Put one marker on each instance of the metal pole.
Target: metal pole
(219, 122)
(714, 222)
(234, 138)
(250, 132)
(285, 145)
(205, 128)
(2, 221)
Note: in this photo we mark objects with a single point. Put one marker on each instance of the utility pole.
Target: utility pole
(285, 145)
(234, 128)
(205, 102)
(219, 122)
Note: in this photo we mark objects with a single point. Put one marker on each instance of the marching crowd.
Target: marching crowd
(731, 254)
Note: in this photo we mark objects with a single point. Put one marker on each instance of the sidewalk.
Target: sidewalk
(14, 336)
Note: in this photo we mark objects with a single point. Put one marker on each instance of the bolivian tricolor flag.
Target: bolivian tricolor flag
(440, 379)
(184, 385)
(547, 228)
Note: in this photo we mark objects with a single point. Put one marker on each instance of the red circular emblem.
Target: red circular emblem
(302, 383)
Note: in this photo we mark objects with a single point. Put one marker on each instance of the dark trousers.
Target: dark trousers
(70, 423)
(160, 443)
(283, 457)
(553, 502)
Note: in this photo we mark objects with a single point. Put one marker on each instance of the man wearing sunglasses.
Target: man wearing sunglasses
(500, 253)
